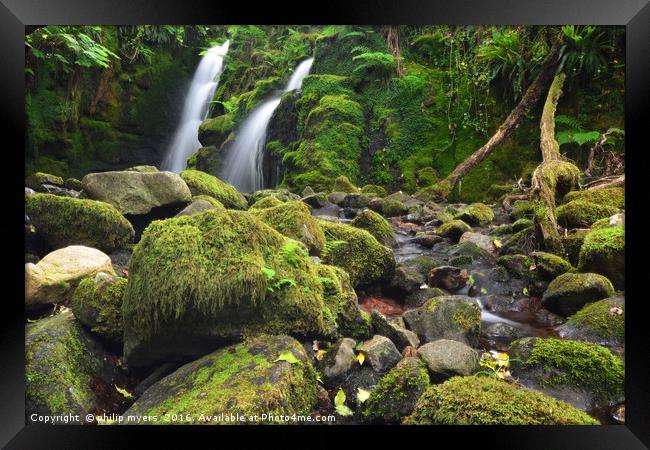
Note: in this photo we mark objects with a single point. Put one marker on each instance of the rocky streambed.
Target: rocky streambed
(159, 298)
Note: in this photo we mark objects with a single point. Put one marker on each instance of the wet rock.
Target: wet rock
(58, 190)
(482, 241)
(337, 198)
(448, 277)
(427, 239)
(406, 280)
(197, 206)
(356, 200)
(568, 293)
(376, 204)
(454, 317)
(420, 297)
(318, 200)
(399, 335)
(502, 332)
(34, 181)
(423, 264)
(339, 360)
(453, 229)
(381, 353)
(120, 261)
(446, 358)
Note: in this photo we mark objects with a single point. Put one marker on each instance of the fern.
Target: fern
(292, 251)
(330, 246)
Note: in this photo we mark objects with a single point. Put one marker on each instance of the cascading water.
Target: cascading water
(243, 165)
(195, 109)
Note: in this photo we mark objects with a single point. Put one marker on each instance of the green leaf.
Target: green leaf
(270, 273)
(288, 357)
(362, 395)
(340, 397)
(344, 410)
(588, 136)
(525, 291)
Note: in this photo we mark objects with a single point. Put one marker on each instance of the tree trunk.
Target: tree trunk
(530, 98)
(392, 44)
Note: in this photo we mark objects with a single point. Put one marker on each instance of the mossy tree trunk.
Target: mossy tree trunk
(393, 46)
(553, 178)
(530, 98)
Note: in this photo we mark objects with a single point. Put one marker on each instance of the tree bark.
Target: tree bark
(530, 98)
(393, 46)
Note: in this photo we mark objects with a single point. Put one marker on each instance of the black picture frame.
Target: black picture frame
(16, 14)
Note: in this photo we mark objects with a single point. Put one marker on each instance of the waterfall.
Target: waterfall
(195, 109)
(243, 165)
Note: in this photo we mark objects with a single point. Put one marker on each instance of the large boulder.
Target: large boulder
(581, 213)
(64, 221)
(476, 215)
(97, 304)
(198, 281)
(266, 375)
(137, 193)
(568, 293)
(583, 374)
(54, 278)
(603, 252)
(215, 131)
(358, 253)
(396, 393)
(35, 180)
(446, 358)
(293, 219)
(454, 317)
(449, 278)
(614, 197)
(376, 225)
(62, 366)
(480, 400)
(601, 322)
(201, 183)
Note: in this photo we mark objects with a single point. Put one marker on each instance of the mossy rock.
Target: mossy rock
(427, 177)
(614, 197)
(358, 253)
(64, 221)
(264, 375)
(293, 219)
(281, 194)
(73, 183)
(550, 266)
(601, 322)
(197, 281)
(481, 400)
(423, 264)
(497, 191)
(393, 208)
(453, 229)
(434, 193)
(97, 304)
(521, 242)
(603, 252)
(266, 202)
(476, 214)
(581, 213)
(569, 292)
(62, 364)
(376, 225)
(522, 209)
(215, 131)
(521, 224)
(143, 169)
(34, 181)
(518, 266)
(376, 191)
(343, 184)
(201, 183)
(396, 393)
(208, 159)
(572, 244)
(585, 374)
(213, 201)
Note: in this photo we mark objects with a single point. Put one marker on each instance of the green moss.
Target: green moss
(559, 362)
(201, 183)
(480, 400)
(521, 224)
(393, 208)
(64, 221)
(614, 197)
(453, 229)
(523, 209)
(572, 243)
(434, 193)
(35, 180)
(476, 214)
(213, 201)
(377, 191)
(603, 251)
(397, 391)
(73, 183)
(596, 320)
(358, 252)
(266, 202)
(376, 225)
(497, 191)
(581, 213)
(550, 266)
(342, 184)
(293, 219)
(99, 306)
(215, 131)
(143, 169)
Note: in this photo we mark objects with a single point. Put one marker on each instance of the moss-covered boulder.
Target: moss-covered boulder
(476, 214)
(376, 191)
(453, 229)
(357, 200)
(266, 375)
(97, 304)
(569, 292)
(396, 393)
(137, 192)
(343, 184)
(393, 208)
(281, 194)
(207, 159)
(54, 278)
(454, 317)
(73, 183)
(581, 213)
(266, 202)
(481, 400)
(64, 221)
(580, 373)
(198, 281)
(34, 181)
(601, 322)
(203, 183)
(614, 197)
(572, 243)
(293, 219)
(62, 365)
(603, 252)
(549, 266)
(337, 198)
(199, 205)
(215, 131)
(376, 225)
(522, 209)
(358, 253)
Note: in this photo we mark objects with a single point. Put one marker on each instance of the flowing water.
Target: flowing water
(243, 165)
(195, 109)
